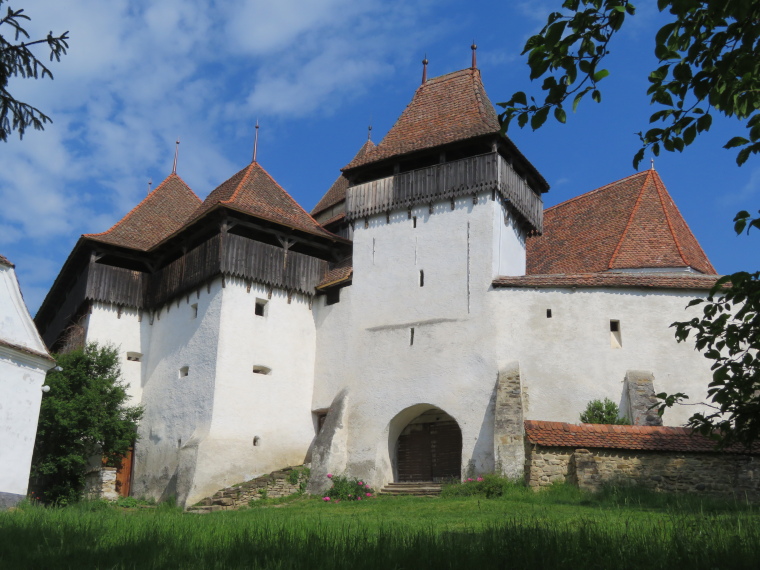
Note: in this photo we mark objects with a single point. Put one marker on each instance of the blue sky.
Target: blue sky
(315, 73)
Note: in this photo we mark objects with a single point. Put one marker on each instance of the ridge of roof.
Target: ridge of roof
(337, 191)
(152, 219)
(4, 261)
(438, 114)
(253, 191)
(622, 280)
(631, 223)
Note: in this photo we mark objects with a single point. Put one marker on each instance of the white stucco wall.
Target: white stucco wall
(567, 360)
(21, 378)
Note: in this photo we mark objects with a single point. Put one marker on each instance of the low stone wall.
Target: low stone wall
(710, 473)
(101, 484)
(272, 486)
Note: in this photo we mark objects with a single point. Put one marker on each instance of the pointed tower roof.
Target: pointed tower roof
(629, 224)
(253, 191)
(445, 109)
(337, 192)
(164, 211)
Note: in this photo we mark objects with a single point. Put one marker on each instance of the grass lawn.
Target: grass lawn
(559, 528)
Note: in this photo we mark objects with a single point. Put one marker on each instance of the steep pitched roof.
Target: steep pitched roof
(337, 273)
(165, 210)
(253, 191)
(629, 224)
(690, 281)
(445, 109)
(337, 192)
(653, 438)
(4, 261)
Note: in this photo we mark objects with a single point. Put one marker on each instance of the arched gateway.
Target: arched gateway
(429, 448)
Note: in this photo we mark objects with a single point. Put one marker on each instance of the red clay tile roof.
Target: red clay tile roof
(19, 348)
(692, 281)
(160, 214)
(4, 261)
(253, 191)
(650, 438)
(445, 109)
(629, 224)
(337, 192)
(338, 273)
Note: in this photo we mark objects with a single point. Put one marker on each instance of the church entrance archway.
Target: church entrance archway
(429, 448)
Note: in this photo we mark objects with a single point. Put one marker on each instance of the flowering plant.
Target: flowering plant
(346, 489)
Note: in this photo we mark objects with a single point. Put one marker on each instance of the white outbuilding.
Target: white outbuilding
(24, 361)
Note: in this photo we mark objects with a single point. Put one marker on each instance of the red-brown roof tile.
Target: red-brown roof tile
(4, 261)
(337, 273)
(445, 109)
(337, 192)
(165, 210)
(649, 438)
(253, 191)
(629, 224)
(693, 281)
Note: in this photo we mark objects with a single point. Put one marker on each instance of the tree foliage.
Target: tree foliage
(83, 416)
(603, 412)
(18, 60)
(709, 54)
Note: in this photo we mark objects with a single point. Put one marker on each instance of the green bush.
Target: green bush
(489, 486)
(347, 489)
(603, 412)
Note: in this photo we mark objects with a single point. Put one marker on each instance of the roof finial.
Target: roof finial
(424, 70)
(474, 48)
(369, 133)
(176, 154)
(256, 141)
(652, 163)
(150, 183)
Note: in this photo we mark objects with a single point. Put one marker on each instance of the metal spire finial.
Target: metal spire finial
(150, 183)
(424, 70)
(369, 133)
(256, 141)
(474, 48)
(176, 155)
(652, 163)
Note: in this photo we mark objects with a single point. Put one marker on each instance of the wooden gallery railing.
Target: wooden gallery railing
(486, 172)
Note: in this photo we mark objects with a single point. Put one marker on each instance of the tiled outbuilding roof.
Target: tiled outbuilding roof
(338, 273)
(693, 281)
(4, 261)
(650, 438)
(253, 191)
(337, 192)
(445, 109)
(164, 211)
(629, 224)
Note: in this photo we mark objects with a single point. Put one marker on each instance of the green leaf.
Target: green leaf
(736, 141)
(596, 95)
(519, 98)
(638, 157)
(560, 115)
(601, 74)
(539, 118)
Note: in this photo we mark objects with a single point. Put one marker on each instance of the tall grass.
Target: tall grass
(386, 533)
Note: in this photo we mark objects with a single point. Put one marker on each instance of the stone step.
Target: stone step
(415, 489)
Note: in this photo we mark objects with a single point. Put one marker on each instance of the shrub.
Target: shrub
(603, 412)
(347, 489)
(489, 486)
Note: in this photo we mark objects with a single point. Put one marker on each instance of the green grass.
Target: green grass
(560, 528)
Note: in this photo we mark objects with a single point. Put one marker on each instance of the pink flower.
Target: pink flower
(326, 498)
(358, 498)
(369, 494)
(469, 478)
(480, 478)
(360, 483)
(329, 475)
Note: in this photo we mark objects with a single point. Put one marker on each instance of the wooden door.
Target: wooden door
(124, 474)
(430, 452)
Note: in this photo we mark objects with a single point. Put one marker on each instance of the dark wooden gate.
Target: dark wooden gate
(430, 452)
(124, 474)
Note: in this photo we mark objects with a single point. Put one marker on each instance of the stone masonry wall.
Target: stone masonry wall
(272, 486)
(100, 483)
(709, 473)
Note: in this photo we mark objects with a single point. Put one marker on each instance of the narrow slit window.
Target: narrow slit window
(616, 340)
(414, 222)
(134, 356)
(422, 278)
(548, 313)
(411, 336)
(184, 371)
(260, 309)
(194, 309)
(260, 369)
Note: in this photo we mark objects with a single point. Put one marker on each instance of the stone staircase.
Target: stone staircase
(416, 489)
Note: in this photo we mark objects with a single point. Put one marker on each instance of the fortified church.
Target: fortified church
(404, 330)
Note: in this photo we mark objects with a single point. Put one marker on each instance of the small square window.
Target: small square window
(134, 356)
(332, 296)
(260, 310)
(548, 313)
(184, 371)
(616, 339)
(260, 369)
